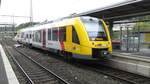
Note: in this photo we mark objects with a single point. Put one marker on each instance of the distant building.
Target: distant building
(7, 30)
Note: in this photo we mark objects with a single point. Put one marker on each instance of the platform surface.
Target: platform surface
(144, 54)
(134, 62)
(7, 75)
(3, 76)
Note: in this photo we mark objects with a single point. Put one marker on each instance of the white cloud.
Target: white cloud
(49, 9)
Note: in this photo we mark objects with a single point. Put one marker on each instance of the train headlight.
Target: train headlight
(105, 53)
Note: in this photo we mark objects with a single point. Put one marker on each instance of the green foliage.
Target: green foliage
(24, 25)
(144, 26)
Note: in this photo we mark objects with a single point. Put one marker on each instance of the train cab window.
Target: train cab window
(75, 38)
(49, 34)
(62, 34)
(95, 29)
(55, 34)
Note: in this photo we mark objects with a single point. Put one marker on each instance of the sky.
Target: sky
(48, 9)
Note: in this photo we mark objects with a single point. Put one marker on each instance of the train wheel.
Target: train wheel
(61, 53)
(30, 45)
(68, 57)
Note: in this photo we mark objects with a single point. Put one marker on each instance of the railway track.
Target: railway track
(33, 71)
(54, 65)
(127, 77)
(115, 73)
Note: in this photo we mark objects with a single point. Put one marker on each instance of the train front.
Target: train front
(98, 38)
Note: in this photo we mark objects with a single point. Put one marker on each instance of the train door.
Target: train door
(44, 38)
(72, 43)
(68, 42)
(75, 41)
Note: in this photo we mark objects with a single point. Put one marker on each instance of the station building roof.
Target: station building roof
(130, 8)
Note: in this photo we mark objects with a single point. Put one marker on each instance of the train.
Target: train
(82, 37)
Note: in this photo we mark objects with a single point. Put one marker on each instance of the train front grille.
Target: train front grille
(97, 53)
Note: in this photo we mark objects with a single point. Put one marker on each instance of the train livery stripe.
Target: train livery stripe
(62, 45)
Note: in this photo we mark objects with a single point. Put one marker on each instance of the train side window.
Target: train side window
(22, 35)
(18, 35)
(30, 36)
(33, 36)
(55, 34)
(37, 36)
(75, 38)
(49, 34)
(27, 36)
(62, 34)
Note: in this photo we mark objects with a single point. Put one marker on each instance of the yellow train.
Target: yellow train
(78, 37)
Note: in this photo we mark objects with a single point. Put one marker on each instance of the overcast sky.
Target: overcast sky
(48, 9)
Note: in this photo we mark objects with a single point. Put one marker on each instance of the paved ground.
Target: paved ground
(3, 76)
(143, 52)
(7, 75)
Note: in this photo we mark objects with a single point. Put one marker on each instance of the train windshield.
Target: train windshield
(95, 29)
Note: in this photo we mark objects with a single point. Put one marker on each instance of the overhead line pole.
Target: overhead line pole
(31, 13)
(13, 22)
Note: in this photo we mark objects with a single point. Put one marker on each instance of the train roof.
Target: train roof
(61, 22)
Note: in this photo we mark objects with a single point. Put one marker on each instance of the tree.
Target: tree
(144, 26)
(24, 25)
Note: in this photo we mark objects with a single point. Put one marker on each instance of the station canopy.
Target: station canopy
(124, 10)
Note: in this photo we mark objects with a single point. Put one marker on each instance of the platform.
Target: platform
(138, 63)
(7, 75)
(144, 53)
